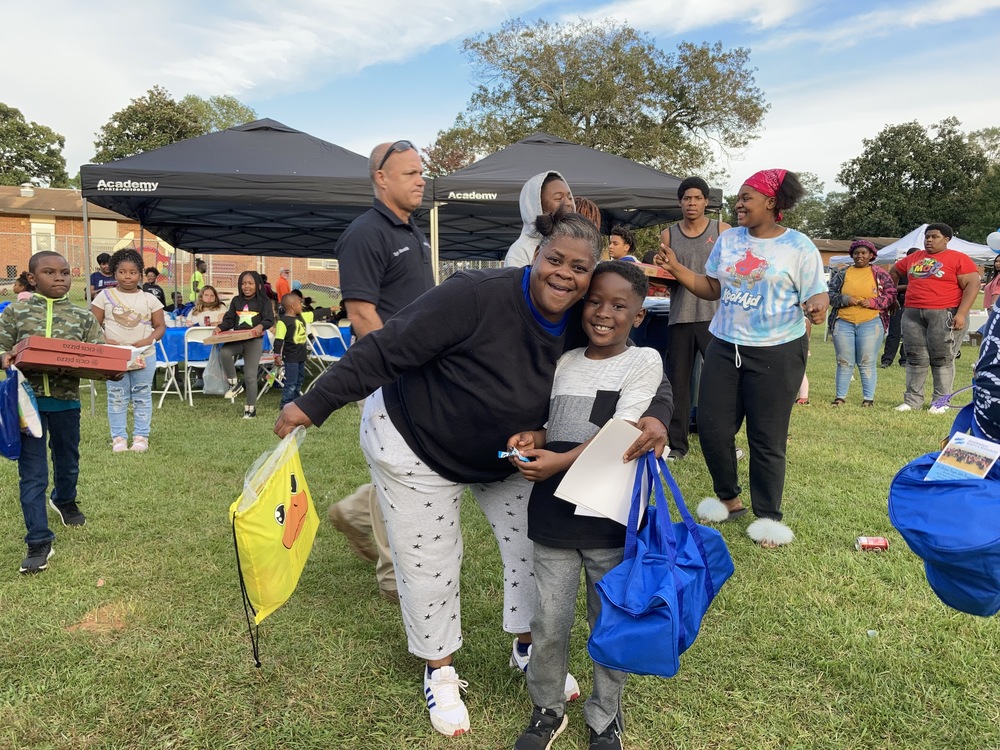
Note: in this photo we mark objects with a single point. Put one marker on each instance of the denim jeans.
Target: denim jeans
(857, 345)
(63, 431)
(137, 387)
(930, 342)
(295, 375)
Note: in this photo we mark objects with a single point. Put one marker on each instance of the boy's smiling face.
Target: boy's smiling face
(611, 309)
(51, 277)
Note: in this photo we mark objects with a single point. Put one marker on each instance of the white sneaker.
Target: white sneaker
(444, 701)
(938, 410)
(235, 389)
(904, 407)
(571, 690)
(119, 445)
(739, 454)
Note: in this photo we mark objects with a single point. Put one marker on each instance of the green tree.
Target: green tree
(984, 208)
(908, 175)
(147, 123)
(988, 140)
(609, 87)
(219, 112)
(809, 214)
(30, 152)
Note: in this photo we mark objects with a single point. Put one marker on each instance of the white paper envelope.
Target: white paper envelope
(598, 483)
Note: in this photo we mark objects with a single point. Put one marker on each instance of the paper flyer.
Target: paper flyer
(598, 482)
(965, 457)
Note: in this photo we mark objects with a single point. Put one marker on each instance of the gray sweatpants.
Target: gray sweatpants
(422, 517)
(930, 343)
(557, 577)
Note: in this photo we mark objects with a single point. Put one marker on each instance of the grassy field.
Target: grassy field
(135, 637)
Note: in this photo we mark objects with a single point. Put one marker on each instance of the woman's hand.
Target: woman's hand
(653, 438)
(665, 258)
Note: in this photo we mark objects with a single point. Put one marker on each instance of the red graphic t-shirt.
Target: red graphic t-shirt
(932, 278)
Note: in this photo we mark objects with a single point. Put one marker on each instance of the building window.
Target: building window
(43, 236)
(323, 264)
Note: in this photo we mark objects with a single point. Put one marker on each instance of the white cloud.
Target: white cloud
(85, 61)
(817, 125)
(678, 16)
(861, 29)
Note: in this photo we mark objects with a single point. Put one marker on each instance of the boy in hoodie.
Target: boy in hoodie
(542, 194)
(49, 313)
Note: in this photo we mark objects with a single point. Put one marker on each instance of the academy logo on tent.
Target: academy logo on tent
(456, 196)
(127, 185)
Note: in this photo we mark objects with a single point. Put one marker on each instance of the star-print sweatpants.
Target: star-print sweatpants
(421, 510)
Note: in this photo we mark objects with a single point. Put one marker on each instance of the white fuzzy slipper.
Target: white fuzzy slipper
(712, 510)
(767, 531)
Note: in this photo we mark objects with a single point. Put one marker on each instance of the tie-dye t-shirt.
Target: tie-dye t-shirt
(763, 285)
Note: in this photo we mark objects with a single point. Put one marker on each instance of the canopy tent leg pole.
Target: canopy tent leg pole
(86, 289)
(434, 244)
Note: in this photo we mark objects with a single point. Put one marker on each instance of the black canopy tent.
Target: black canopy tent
(477, 208)
(259, 189)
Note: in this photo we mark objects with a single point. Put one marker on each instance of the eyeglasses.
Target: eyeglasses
(398, 146)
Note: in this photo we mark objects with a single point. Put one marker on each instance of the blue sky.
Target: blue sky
(357, 72)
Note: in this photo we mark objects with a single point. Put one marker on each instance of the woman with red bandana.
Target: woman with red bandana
(768, 279)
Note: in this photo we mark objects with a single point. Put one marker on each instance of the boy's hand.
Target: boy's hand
(523, 441)
(543, 465)
(277, 360)
(5, 360)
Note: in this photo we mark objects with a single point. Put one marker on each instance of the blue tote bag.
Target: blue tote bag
(10, 419)
(954, 527)
(652, 603)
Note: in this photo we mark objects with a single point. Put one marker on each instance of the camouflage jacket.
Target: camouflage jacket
(54, 319)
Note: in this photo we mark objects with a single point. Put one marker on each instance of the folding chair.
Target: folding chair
(169, 367)
(326, 346)
(268, 372)
(195, 356)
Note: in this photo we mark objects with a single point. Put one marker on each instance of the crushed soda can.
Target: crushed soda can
(871, 544)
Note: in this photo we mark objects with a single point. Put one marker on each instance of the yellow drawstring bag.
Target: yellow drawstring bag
(274, 525)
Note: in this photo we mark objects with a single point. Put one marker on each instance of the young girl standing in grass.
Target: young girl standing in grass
(130, 317)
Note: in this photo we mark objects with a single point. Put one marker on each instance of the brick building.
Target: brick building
(34, 219)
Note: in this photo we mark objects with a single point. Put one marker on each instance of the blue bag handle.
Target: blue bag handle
(662, 528)
(965, 422)
(693, 529)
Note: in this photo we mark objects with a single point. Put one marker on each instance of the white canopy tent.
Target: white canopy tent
(981, 254)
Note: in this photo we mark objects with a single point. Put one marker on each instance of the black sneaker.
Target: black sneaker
(609, 739)
(38, 558)
(69, 513)
(545, 726)
(249, 412)
(675, 455)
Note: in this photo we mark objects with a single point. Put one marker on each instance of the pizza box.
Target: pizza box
(41, 343)
(224, 337)
(655, 272)
(78, 365)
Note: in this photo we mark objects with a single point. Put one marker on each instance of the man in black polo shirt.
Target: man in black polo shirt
(385, 264)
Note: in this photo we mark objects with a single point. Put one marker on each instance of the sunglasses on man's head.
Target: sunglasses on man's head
(398, 146)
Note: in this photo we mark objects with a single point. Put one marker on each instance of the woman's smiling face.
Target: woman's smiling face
(560, 275)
